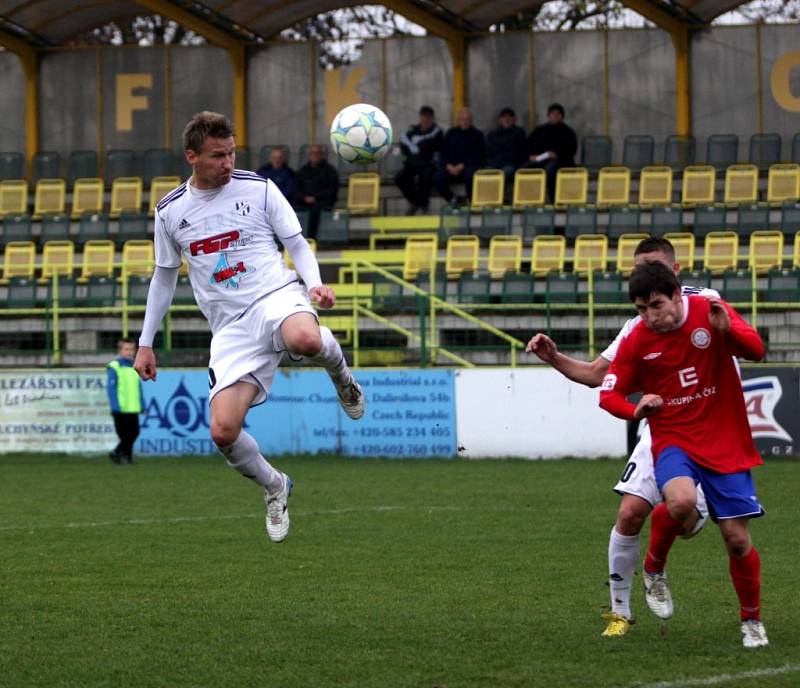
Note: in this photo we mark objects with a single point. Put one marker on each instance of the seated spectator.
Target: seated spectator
(317, 187)
(552, 146)
(505, 147)
(420, 145)
(463, 152)
(277, 170)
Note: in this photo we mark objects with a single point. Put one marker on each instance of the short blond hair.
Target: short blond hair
(204, 125)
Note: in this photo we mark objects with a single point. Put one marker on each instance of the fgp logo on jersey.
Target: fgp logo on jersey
(761, 396)
(182, 414)
(214, 244)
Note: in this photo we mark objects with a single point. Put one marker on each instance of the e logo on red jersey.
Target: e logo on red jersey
(688, 376)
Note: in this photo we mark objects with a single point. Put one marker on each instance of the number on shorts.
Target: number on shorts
(630, 467)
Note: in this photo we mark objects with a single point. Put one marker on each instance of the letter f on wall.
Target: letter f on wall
(339, 95)
(127, 102)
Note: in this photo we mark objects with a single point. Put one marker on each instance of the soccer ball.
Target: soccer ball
(361, 134)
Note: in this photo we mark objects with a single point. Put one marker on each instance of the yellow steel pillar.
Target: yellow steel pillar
(458, 54)
(680, 40)
(239, 61)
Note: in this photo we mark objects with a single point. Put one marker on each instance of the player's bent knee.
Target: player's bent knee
(224, 434)
(738, 545)
(630, 519)
(307, 344)
(682, 508)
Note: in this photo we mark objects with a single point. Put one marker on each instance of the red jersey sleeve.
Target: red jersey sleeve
(620, 381)
(743, 341)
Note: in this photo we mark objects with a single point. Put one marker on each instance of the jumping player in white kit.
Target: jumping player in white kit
(637, 484)
(225, 222)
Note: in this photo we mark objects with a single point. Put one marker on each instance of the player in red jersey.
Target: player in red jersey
(679, 356)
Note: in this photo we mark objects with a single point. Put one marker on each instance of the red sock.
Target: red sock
(663, 531)
(746, 575)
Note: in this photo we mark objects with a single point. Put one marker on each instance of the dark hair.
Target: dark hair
(124, 340)
(426, 110)
(507, 111)
(556, 106)
(656, 244)
(204, 125)
(651, 278)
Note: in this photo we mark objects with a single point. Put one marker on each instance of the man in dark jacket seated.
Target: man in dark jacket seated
(505, 147)
(317, 187)
(420, 144)
(463, 152)
(277, 170)
(552, 146)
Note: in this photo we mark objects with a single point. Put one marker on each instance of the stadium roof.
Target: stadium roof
(42, 23)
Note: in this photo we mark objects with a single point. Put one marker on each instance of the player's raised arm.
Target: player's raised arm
(619, 383)
(587, 373)
(741, 337)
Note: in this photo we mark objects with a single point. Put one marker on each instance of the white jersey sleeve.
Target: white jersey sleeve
(167, 252)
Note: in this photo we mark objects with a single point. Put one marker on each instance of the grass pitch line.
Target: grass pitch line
(723, 678)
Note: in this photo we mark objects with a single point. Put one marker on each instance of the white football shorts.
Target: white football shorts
(250, 349)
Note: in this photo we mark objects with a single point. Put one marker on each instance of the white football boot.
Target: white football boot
(657, 594)
(278, 511)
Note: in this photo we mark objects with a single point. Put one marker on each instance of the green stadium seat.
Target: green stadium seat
(517, 287)
(389, 296)
(16, 228)
(790, 219)
(12, 165)
(536, 221)
(709, 218)
(21, 293)
(796, 148)
(783, 285)
(243, 158)
(453, 220)
(609, 287)
(737, 286)
(561, 287)
(679, 151)
(751, 218)
(580, 220)
(45, 165)
(623, 220)
(67, 292)
(638, 151)
(92, 226)
(81, 165)
(666, 219)
(55, 227)
(184, 295)
(119, 163)
(722, 150)
(696, 278)
(765, 150)
(157, 162)
(474, 288)
(334, 228)
(596, 152)
(493, 221)
(131, 225)
(138, 286)
(101, 291)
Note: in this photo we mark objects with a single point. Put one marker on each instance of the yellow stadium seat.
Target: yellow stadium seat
(530, 188)
(655, 185)
(591, 253)
(19, 260)
(572, 186)
(126, 194)
(58, 257)
(505, 254)
(98, 259)
(87, 196)
(49, 197)
(796, 252)
(741, 184)
(766, 251)
(462, 254)
(184, 270)
(699, 185)
(286, 257)
(783, 183)
(626, 245)
(160, 187)
(13, 197)
(420, 255)
(684, 245)
(137, 257)
(548, 253)
(363, 193)
(613, 186)
(721, 252)
(488, 187)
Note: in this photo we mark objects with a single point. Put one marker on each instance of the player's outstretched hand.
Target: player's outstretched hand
(323, 295)
(544, 347)
(648, 405)
(718, 315)
(145, 363)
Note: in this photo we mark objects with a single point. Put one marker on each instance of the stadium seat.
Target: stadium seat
(751, 218)
(58, 257)
(98, 259)
(561, 287)
(608, 287)
(101, 291)
(243, 158)
(783, 286)
(12, 165)
(596, 152)
(92, 226)
(67, 292)
(55, 227)
(389, 296)
(613, 186)
(783, 183)
(626, 245)
(709, 218)
(580, 220)
(537, 221)
(638, 151)
(699, 185)
(679, 152)
(572, 186)
(81, 165)
(119, 163)
(741, 184)
(474, 288)
(45, 165)
(623, 220)
(157, 162)
(138, 257)
(302, 218)
(517, 287)
(765, 150)
(548, 253)
(721, 252)
(488, 189)
(184, 294)
(696, 278)
(722, 150)
(684, 245)
(131, 226)
(13, 197)
(790, 219)
(530, 189)
(50, 197)
(591, 253)
(453, 220)
(439, 286)
(160, 187)
(420, 255)
(87, 196)
(126, 194)
(136, 290)
(795, 148)
(493, 221)
(363, 193)
(334, 228)
(655, 186)
(19, 260)
(766, 251)
(796, 251)
(20, 292)
(505, 255)
(462, 255)
(737, 286)
(666, 219)
(16, 228)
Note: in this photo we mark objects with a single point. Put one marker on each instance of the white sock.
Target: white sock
(623, 558)
(332, 359)
(244, 456)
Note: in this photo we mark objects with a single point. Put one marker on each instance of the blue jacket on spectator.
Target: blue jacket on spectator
(466, 146)
(283, 178)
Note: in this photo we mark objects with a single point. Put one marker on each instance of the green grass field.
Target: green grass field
(429, 573)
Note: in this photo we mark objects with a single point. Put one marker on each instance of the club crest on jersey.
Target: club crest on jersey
(243, 208)
(761, 396)
(609, 382)
(701, 338)
(229, 274)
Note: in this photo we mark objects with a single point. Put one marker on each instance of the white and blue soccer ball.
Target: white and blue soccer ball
(361, 134)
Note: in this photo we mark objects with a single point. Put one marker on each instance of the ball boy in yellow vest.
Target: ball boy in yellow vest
(125, 399)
